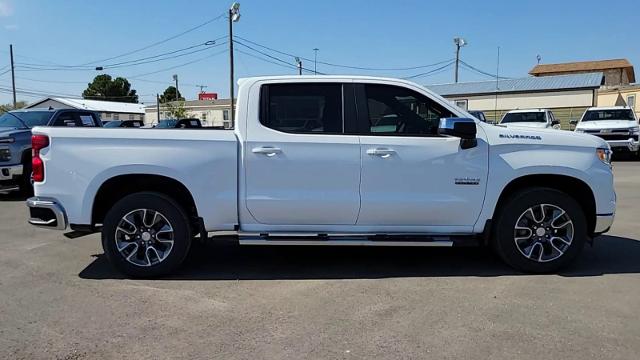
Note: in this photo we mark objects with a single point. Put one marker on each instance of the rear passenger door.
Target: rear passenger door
(302, 165)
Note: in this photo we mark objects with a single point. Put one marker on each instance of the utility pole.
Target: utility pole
(13, 76)
(234, 16)
(299, 62)
(158, 109)
(202, 87)
(175, 77)
(315, 61)
(460, 42)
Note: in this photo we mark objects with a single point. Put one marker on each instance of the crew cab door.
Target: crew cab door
(411, 176)
(300, 167)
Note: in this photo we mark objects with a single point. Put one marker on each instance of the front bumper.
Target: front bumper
(629, 144)
(10, 172)
(603, 223)
(46, 213)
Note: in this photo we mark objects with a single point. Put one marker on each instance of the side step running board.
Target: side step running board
(357, 240)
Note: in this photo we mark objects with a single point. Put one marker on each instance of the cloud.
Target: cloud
(11, 27)
(5, 8)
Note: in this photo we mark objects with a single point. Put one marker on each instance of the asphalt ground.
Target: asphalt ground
(60, 299)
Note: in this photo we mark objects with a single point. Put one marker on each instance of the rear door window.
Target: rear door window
(305, 108)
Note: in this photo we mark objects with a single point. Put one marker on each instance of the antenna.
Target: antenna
(539, 58)
(495, 109)
(202, 87)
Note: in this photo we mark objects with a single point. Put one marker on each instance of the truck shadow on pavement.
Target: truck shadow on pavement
(226, 260)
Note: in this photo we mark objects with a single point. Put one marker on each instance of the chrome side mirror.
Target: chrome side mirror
(464, 128)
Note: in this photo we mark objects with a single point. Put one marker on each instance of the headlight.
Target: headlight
(7, 140)
(604, 155)
(579, 130)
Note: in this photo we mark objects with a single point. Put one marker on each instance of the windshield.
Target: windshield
(30, 118)
(617, 114)
(167, 123)
(523, 117)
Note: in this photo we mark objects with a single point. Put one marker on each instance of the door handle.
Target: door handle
(382, 152)
(266, 150)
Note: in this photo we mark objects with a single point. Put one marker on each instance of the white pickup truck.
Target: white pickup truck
(327, 160)
(617, 125)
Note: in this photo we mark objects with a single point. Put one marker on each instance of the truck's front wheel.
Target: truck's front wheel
(146, 234)
(539, 230)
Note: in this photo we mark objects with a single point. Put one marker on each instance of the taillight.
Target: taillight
(38, 142)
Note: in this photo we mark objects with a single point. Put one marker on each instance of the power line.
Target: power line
(431, 72)
(345, 66)
(160, 42)
(472, 68)
(177, 66)
(274, 57)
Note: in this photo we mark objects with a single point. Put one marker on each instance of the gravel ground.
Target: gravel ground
(60, 299)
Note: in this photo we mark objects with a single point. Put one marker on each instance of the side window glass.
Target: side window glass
(302, 108)
(66, 119)
(395, 110)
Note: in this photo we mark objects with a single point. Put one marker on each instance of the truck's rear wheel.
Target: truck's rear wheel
(146, 234)
(539, 230)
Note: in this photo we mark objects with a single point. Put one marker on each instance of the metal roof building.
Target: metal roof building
(109, 110)
(566, 95)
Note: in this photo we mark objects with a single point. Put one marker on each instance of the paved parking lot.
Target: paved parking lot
(60, 299)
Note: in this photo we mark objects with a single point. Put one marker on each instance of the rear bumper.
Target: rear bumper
(46, 213)
(603, 223)
(629, 144)
(10, 172)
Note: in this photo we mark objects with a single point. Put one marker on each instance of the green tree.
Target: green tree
(170, 95)
(176, 109)
(8, 107)
(103, 87)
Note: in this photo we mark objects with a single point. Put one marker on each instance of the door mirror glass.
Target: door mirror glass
(463, 128)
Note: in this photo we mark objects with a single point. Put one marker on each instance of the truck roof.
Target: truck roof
(609, 108)
(527, 110)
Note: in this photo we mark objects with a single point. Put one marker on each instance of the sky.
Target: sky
(58, 36)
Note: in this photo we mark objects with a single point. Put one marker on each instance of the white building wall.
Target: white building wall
(550, 100)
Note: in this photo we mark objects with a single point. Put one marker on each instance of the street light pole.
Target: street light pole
(460, 42)
(234, 16)
(315, 61)
(299, 62)
(175, 77)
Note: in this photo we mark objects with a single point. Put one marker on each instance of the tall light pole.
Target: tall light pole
(315, 61)
(460, 42)
(175, 77)
(234, 16)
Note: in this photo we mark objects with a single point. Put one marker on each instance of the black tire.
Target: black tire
(170, 211)
(513, 211)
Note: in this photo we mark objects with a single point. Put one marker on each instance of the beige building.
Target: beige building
(615, 71)
(568, 96)
(210, 112)
(108, 110)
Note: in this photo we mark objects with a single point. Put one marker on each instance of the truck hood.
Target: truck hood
(514, 135)
(537, 125)
(606, 124)
(7, 131)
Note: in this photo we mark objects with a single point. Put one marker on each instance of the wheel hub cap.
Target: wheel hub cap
(543, 232)
(144, 237)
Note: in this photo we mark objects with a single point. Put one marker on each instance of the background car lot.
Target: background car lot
(60, 299)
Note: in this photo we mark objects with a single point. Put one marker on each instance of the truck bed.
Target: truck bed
(79, 160)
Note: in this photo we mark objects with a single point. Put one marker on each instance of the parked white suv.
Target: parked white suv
(617, 125)
(533, 118)
(328, 160)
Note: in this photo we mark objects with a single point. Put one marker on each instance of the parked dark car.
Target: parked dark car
(478, 115)
(179, 124)
(15, 140)
(124, 123)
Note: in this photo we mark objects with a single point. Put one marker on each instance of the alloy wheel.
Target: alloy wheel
(144, 237)
(543, 232)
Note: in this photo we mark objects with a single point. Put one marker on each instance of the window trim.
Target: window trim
(362, 105)
(344, 94)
